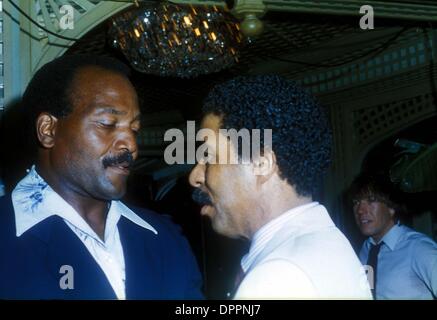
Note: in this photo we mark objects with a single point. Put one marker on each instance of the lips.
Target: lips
(365, 221)
(206, 210)
(122, 168)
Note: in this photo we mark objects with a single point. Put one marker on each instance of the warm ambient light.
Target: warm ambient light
(177, 40)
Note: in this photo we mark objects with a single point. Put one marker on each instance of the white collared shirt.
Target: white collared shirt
(34, 201)
(302, 255)
(267, 232)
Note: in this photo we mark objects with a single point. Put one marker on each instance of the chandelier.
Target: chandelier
(177, 40)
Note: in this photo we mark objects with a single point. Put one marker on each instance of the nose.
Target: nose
(127, 140)
(197, 176)
(361, 208)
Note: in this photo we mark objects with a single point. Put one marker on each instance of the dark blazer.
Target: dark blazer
(157, 266)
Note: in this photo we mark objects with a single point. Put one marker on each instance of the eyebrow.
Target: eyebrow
(111, 110)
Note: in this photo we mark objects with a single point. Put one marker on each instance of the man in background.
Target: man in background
(296, 250)
(64, 233)
(402, 262)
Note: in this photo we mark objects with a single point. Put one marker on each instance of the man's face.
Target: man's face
(226, 188)
(96, 143)
(374, 218)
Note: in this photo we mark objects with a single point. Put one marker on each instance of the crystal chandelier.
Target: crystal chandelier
(177, 40)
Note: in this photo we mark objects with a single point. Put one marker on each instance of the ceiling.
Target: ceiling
(291, 45)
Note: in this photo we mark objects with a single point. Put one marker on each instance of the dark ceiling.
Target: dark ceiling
(291, 45)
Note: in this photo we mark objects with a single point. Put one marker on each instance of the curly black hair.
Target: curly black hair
(50, 88)
(301, 133)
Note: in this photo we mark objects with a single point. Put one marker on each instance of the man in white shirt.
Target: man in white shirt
(296, 250)
(64, 234)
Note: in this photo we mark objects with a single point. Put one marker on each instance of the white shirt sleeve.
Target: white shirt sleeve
(276, 279)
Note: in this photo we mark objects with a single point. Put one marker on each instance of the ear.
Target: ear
(392, 212)
(265, 166)
(46, 129)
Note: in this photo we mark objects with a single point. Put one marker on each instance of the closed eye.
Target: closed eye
(107, 124)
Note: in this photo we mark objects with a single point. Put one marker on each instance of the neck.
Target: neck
(378, 237)
(93, 211)
(274, 203)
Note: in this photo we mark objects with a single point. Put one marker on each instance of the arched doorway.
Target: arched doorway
(422, 209)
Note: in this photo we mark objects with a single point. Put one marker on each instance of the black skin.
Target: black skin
(85, 156)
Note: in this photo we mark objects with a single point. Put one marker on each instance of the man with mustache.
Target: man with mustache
(64, 234)
(296, 251)
(403, 262)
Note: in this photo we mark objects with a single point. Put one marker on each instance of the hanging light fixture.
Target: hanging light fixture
(177, 40)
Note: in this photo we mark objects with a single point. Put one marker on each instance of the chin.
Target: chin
(113, 194)
(223, 230)
(118, 195)
(367, 233)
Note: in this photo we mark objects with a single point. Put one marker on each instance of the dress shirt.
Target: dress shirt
(302, 255)
(407, 264)
(34, 201)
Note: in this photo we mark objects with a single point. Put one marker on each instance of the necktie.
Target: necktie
(238, 278)
(372, 261)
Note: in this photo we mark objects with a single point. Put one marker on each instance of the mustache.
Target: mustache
(201, 197)
(122, 158)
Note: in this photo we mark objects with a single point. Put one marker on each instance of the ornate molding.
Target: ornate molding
(28, 47)
(418, 11)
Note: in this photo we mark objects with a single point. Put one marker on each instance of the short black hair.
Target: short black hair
(377, 187)
(49, 89)
(301, 133)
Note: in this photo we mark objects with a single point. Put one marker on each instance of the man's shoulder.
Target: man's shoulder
(417, 245)
(416, 237)
(329, 238)
(312, 249)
